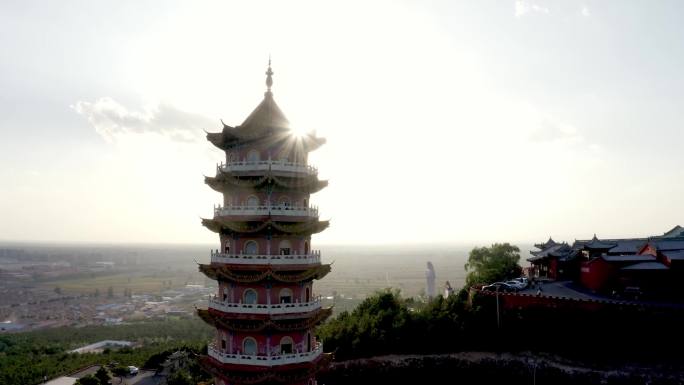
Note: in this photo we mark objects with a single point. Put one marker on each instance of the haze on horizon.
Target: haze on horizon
(446, 121)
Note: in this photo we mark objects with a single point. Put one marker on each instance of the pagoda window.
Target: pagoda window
(285, 201)
(307, 295)
(226, 247)
(286, 345)
(249, 346)
(306, 247)
(225, 294)
(252, 201)
(250, 296)
(223, 344)
(285, 295)
(308, 341)
(304, 203)
(251, 248)
(253, 156)
(285, 247)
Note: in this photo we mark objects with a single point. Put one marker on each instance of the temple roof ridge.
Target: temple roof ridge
(267, 114)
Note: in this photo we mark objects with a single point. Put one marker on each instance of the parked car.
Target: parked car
(133, 370)
(633, 292)
(499, 286)
(516, 284)
(520, 283)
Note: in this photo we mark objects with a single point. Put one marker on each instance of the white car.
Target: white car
(133, 370)
(522, 281)
(516, 284)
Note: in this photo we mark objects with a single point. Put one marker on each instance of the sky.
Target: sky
(446, 121)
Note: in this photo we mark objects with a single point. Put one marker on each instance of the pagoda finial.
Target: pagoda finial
(269, 74)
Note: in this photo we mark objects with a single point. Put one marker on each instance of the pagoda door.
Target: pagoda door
(285, 296)
(285, 247)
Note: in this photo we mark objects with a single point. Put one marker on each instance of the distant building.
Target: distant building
(9, 326)
(107, 265)
(102, 345)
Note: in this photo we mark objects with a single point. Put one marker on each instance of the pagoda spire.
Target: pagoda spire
(269, 78)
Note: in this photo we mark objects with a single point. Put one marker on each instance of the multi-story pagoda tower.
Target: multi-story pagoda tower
(264, 310)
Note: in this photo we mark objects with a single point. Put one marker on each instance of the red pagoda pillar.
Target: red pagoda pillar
(264, 310)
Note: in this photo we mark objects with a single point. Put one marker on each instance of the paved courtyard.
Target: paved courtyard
(562, 289)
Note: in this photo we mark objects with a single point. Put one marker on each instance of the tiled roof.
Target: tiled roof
(559, 250)
(596, 243)
(668, 244)
(674, 255)
(646, 266)
(629, 258)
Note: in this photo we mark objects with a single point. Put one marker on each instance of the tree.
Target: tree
(490, 264)
(87, 380)
(179, 378)
(120, 371)
(110, 292)
(58, 290)
(102, 375)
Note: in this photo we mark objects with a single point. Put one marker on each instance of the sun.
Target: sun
(299, 132)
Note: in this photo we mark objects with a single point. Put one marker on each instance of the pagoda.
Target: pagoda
(264, 310)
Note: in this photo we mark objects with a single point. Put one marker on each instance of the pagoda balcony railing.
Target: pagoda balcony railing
(268, 209)
(264, 360)
(266, 165)
(259, 308)
(248, 259)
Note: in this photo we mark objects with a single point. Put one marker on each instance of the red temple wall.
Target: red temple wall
(237, 246)
(240, 198)
(235, 340)
(553, 268)
(596, 274)
(275, 153)
(235, 294)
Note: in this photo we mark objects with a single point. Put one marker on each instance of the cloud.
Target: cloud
(523, 7)
(112, 120)
(553, 131)
(585, 11)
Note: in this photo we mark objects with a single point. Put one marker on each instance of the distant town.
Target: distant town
(50, 286)
(43, 288)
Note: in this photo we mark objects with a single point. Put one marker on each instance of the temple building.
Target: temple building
(650, 265)
(265, 310)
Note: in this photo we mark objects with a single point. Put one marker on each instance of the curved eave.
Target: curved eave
(222, 225)
(224, 182)
(223, 321)
(229, 274)
(248, 374)
(232, 137)
(263, 317)
(311, 142)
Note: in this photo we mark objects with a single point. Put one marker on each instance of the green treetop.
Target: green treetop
(491, 264)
